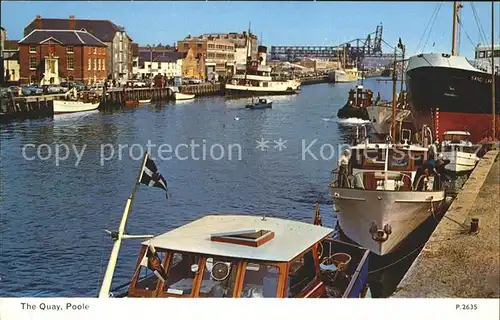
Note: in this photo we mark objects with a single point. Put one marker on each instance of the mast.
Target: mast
(394, 80)
(493, 102)
(248, 46)
(108, 277)
(454, 31)
(456, 7)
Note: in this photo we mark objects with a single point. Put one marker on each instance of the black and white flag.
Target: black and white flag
(152, 177)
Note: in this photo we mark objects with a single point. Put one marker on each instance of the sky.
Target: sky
(277, 22)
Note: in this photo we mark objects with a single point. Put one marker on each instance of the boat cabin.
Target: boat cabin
(456, 137)
(242, 256)
(457, 141)
(359, 97)
(369, 169)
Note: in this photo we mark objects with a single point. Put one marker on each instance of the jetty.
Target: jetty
(460, 259)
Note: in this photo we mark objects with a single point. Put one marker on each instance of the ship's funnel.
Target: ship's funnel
(262, 55)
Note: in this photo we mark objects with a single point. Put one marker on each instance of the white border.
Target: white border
(255, 309)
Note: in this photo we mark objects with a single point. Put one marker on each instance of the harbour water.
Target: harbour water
(53, 215)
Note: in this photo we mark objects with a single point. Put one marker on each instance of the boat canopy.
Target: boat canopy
(243, 237)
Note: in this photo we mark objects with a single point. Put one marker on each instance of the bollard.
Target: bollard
(474, 225)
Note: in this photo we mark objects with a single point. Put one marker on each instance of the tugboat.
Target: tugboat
(356, 104)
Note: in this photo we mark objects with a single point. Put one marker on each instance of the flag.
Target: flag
(152, 177)
(152, 261)
(400, 44)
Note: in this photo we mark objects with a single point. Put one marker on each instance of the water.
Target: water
(52, 216)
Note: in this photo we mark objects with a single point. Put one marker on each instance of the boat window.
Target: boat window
(147, 280)
(302, 272)
(260, 280)
(455, 138)
(398, 160)
(418, 158)
(183, 270)
(374, 156)
(219, 277)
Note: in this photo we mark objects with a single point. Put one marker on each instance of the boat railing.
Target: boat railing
(356, 181)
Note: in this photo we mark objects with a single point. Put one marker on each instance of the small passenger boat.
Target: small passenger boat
(183, 96)
(458, 148)
(74, 102)
(241, 256)
(260, 104)
(144, 101)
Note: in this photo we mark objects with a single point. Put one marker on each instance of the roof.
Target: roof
(464, 133)
(13, 57)
(161, 56)
(65, 37)
(104, 30)
(11, 45)
(290, 237)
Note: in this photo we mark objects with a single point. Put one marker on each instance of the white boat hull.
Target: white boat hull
(63, 106)
(145, 101)
(340, 76)
(183, 96)
(271, 88)
(460, 161)
(403, 211)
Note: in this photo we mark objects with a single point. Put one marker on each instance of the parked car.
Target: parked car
(31, 89)
(14, 90)
(52, 89)
(4, 93)
(192, 81)
(97, 87)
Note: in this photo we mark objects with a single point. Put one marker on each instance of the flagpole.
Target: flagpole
(108, 276)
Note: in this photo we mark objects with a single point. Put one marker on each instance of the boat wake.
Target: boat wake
(352, 121)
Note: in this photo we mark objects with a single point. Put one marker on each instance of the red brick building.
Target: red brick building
(54, 56)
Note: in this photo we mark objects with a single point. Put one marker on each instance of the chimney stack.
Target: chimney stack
(71, 23)
(38, 22)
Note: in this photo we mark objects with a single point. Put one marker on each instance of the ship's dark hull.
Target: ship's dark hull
(449, 99)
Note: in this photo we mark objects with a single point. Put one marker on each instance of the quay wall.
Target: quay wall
(456, 261)
(19, 108)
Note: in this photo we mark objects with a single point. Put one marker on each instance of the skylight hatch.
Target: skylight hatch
(252, 238)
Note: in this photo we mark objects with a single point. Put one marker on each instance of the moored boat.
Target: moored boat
(183, 96)
(448, 93)
(386, 193)
(144, 101)
(457, 148)
(74, 102)
(241, 256)
(68, 106)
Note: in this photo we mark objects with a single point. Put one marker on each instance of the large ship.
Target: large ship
(448, 93)
(254, 79)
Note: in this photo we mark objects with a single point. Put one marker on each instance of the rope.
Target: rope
(432, 26)
(482, 34)
(412, 252)
(426, 27)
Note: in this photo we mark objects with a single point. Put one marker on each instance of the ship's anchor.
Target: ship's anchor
(380, 235)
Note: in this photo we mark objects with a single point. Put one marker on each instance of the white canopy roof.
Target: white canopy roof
(290, 237)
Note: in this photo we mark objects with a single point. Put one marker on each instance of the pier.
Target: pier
(204, 89)
(460, 259)
(27, 107)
